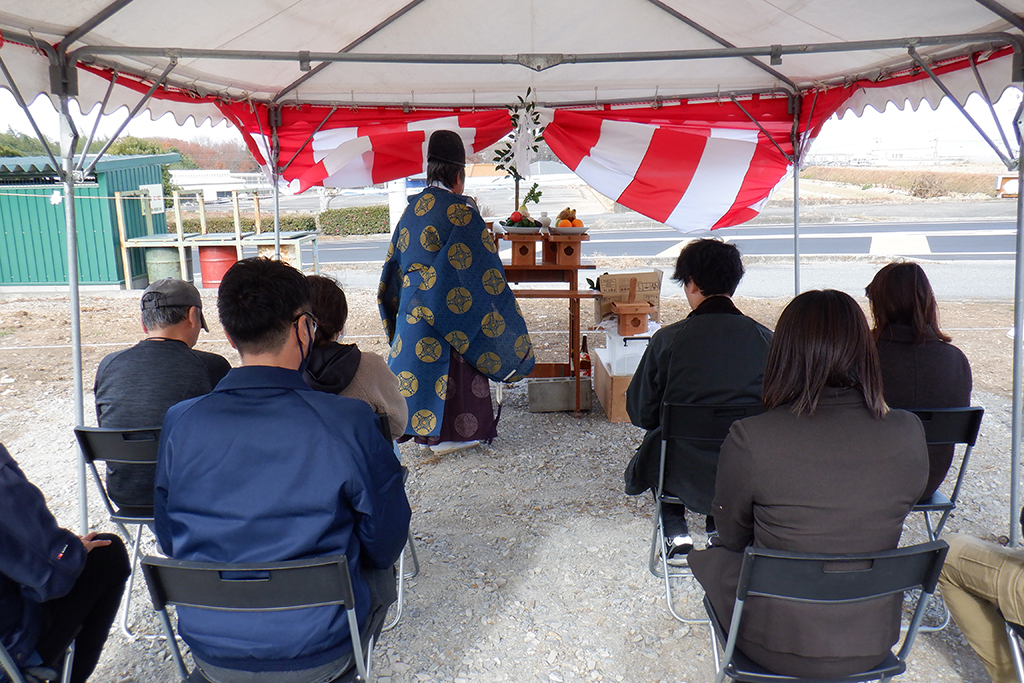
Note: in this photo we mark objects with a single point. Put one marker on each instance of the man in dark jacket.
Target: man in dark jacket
(715, 355)
(266, 469)
(135, 386)
(54, 585)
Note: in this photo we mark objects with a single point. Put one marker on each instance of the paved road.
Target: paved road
(960, 240)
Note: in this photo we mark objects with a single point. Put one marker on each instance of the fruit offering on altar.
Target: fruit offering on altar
(567, 219)
(520, 219)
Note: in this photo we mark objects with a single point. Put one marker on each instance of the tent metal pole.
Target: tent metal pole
(274, 115)
(970, 119)
(1018, 344)
(68, 142)
(796, 227)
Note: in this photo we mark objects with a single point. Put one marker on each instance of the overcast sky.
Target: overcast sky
(944, 128)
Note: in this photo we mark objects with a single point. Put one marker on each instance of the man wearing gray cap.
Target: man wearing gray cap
(135, 387)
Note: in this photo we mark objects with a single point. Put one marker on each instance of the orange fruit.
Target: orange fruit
(565, 223)
(577, 223)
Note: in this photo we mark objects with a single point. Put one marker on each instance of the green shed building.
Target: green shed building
(33, 241)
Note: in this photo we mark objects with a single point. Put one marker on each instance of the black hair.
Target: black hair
(447, 174)
(164, 316)
(901, 294)
(329, 306)
(258, 300)
(822, 340)
(714, 265)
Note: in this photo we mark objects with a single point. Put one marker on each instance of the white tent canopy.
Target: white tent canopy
(465, 53)
(472, 54)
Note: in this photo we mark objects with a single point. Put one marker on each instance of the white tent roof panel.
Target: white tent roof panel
(494, 28)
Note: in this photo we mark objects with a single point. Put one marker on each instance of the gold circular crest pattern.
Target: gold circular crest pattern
(429, 350)
(420, 313)
(493, 325)
(458, 340)
(422, 422)
(523, 346)
(489, 363)
(391, 251)
(429, 276)
(407, 383)
(403, 239)
(459, 300)
(406, 281)
(494, 282)
(459, 214)
(381, 288)
(430, 239)
(460, 256)
(441, 387)
(424, 204)
(396, 346)
(488, 241)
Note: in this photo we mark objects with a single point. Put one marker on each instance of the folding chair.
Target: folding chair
(705, 426)
(813, 578)
(947, 426)
(385, 427)
(14, 674)
(1015, 635)
(270, 587)
(122, 446)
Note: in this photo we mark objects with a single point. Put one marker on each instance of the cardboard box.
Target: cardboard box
(610, 389)
(615, 287)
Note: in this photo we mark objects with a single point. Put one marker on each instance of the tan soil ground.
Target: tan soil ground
(534, 561)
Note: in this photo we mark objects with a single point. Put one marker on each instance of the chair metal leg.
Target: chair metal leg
(402, 576)
(69, 663)
(400, 603)
(663, 571)
(172, 644)
(945, 616)
(1015, 650)
(131, 582)
(415, 560)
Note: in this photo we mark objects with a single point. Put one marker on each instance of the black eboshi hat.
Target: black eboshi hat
(447, 146)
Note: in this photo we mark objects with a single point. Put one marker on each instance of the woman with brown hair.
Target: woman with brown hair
(342, 368)
(920, 368)
(827, 469)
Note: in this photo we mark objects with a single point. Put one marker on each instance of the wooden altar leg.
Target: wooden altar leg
(574, 347)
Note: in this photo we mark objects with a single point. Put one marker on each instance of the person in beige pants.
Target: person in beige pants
(978, 581)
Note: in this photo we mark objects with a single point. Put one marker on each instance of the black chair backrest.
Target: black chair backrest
(385, 426)
(261, 587)
(703, 423)
(840, 578)
(119, 445)
(951, 425)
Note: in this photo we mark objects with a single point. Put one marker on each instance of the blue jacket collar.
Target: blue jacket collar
(262, 376)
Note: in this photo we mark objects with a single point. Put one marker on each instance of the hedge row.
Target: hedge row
(226, 223)
(364, 220)
(360, 220)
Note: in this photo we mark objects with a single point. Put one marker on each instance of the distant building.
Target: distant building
(218, 183)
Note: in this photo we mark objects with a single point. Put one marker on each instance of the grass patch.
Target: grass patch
(923, 184)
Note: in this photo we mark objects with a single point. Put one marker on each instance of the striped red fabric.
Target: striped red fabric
(358, 148)
(692, 166)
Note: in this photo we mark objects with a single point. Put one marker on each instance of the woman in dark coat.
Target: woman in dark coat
(920, 368)
(827, 469)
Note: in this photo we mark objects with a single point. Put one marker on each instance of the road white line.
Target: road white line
(898, 243)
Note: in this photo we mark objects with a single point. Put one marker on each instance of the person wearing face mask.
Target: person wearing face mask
(266, 469)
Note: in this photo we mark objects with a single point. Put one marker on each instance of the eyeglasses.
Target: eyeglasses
(312, 319)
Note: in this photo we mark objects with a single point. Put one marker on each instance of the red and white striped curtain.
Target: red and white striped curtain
(694, 166)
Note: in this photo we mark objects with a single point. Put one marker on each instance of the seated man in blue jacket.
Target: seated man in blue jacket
(266, 469)
(54, 585)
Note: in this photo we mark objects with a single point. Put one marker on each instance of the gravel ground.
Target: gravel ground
(534, 563)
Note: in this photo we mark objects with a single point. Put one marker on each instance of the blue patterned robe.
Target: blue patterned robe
(442, 287)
